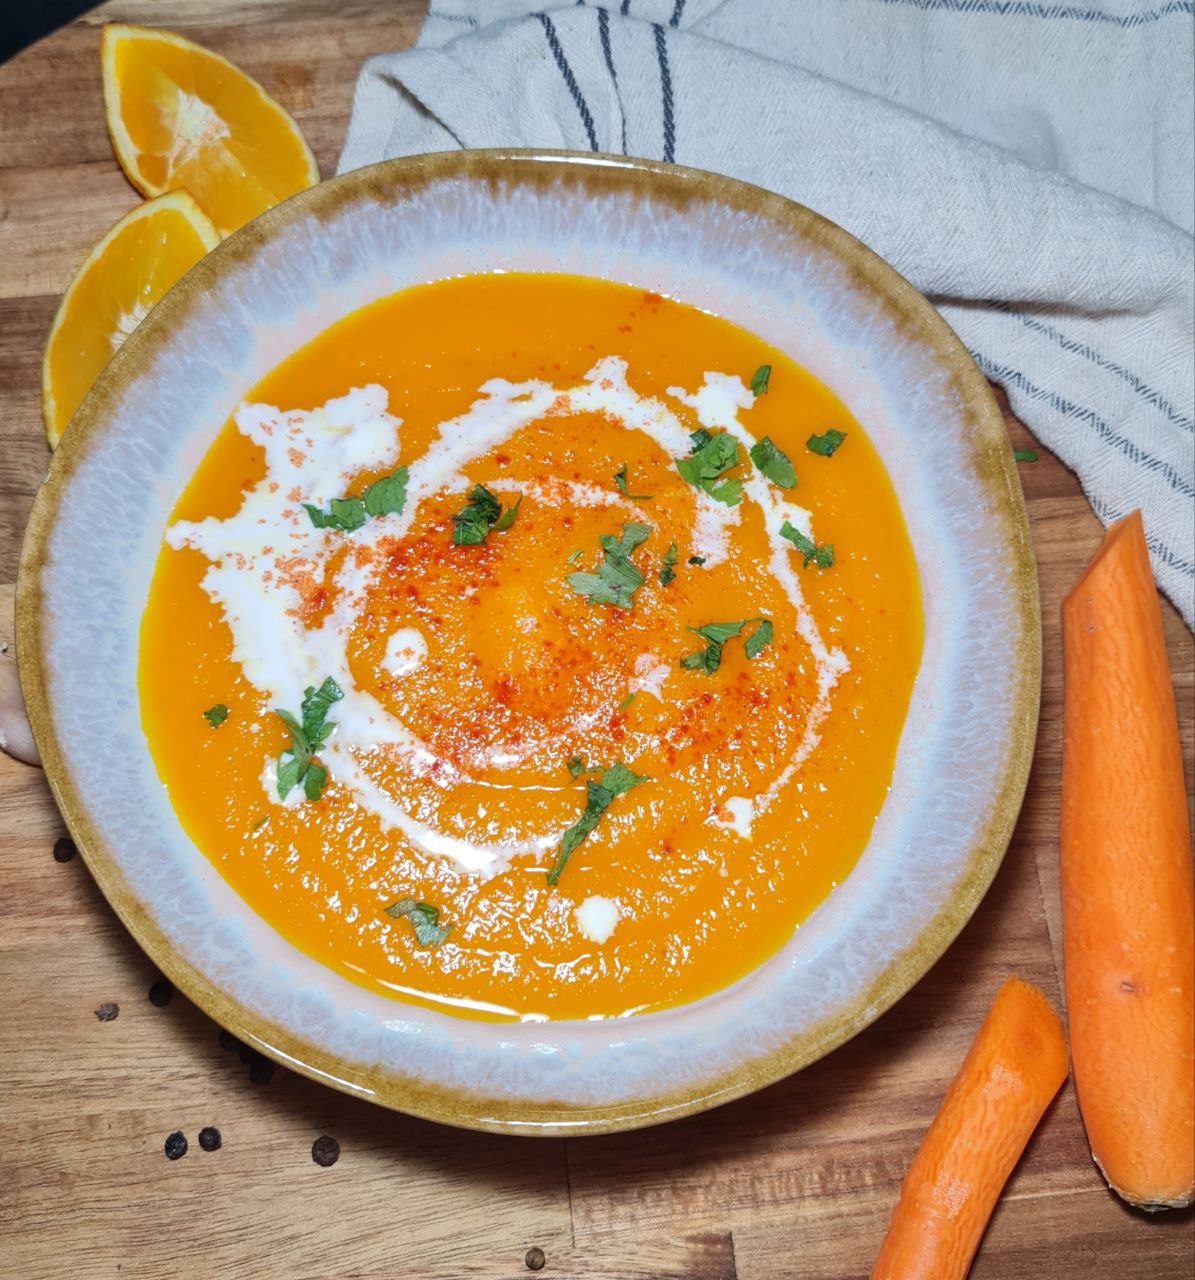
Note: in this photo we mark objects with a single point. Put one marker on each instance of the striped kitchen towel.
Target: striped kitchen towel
(1027, 164)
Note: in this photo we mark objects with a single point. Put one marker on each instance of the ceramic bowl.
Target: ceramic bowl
(750, 256)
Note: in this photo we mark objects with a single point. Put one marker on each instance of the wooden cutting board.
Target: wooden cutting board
(797, 1181)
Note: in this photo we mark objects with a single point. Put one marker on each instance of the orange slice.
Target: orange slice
(112, 292)
(183, 118)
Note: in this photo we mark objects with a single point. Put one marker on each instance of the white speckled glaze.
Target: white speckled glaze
(803, 285)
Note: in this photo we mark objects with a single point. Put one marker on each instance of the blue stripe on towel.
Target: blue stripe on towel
(608, 54)
(666, 93)
(452, 17)
(1001, 373)
(1029, 9)
(1146, 392)
(569, 79)
(677, 10)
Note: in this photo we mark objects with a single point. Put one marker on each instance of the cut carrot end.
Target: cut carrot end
(1117, 541)
(1013, 1069)
(1128, 901)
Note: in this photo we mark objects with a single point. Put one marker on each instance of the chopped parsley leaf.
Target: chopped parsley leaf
(575, 556)
(620, 481)
(826, 443)
(698, 560)
(307, 734)
(471, 524)
(759, 380)
(387, 496)
(345, 514)
(215, 716)
(261, 822)
(1024, 455)
(758, 639)
(712, 456)
(509, 516)
(729, 492)
(384, 497)
(716, 634)
(626, 702)
(576, 767)
(667, 572)
(822, 556)
(424, 918)
(772, 462)
(614, 782)
(617, 580)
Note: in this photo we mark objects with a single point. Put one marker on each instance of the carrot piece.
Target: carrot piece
(1014, 1067)
(1128, 902)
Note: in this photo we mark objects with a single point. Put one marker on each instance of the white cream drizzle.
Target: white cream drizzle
(596, 918)
(313, 456)
(717, 403)
(405, 651)
(650, 675)
(739, 814)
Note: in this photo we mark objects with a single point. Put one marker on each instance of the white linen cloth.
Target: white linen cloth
(1027, 164)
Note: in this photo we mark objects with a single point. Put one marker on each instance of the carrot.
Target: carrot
(1015, 1066)
(1128, 904)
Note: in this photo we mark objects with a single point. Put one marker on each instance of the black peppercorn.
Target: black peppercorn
(175, 1145)
(64, 849)
(107, 1011)
(160, 993)
(325, 1151)
(534, 1258)
(262, 1071)
(209, 1139)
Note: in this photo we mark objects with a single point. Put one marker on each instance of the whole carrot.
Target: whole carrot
(1015, 1066)
(1128, 905)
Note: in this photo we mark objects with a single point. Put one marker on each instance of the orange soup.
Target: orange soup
(531, 647)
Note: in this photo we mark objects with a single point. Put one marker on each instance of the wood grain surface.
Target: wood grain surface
(797, 1181)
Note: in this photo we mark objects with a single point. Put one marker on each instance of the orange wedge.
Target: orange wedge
(125, 274)
(183, 118)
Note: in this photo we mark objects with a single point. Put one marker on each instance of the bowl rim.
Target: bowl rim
(998, 477)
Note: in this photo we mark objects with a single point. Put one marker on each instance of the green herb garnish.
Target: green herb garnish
(215, 716)
(822, 556)
(826, 443)
(626, 702)
(711, 458)
(1024, 455)
(575, 556)
(387, 496)
(697, 560)
(576, 767)
(773, 463)
(667, 572)
(425, 919)
(616, 582)
(308, 733)
(508, 517)
(620, 481)
(716, 634)
(616, 781)
(257, 826)
(384, 497)
(759, 380)
(345, 514)
(472, 523)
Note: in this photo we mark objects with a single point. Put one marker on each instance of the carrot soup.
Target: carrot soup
(531, 646)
